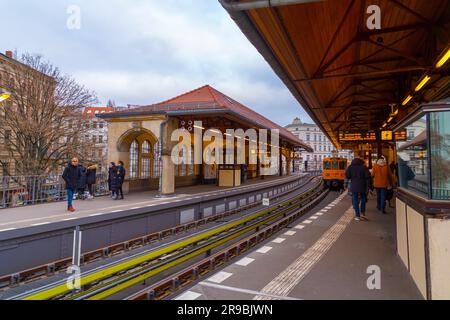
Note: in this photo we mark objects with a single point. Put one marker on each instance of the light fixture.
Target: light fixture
(384, 125)
(4, 95)
(407, 99)
(395, 113)
(444, 59)
(422, 83)
(390, 119)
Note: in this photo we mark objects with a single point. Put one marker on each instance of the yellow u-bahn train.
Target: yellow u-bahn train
(333, 172)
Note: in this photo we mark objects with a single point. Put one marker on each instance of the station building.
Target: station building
(141, 138)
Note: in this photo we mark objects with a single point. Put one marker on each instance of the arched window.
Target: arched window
(134, 159)
(146, 159)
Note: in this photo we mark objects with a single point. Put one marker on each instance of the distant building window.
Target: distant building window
(7, 136)
(100, 125)
(94, 125)
(308, 137)
(411, 134)
(100, 139)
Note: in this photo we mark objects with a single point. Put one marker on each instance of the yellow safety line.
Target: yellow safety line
(61, 289)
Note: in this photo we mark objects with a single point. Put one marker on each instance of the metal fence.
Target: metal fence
(16, 191)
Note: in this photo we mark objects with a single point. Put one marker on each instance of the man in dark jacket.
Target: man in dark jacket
(121, 172)
(359, 176)
(71, 176)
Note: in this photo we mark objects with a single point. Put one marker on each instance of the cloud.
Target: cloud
(145, 51)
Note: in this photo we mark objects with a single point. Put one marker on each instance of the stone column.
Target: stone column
(167, 180)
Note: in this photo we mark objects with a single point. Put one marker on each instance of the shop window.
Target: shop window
(413, 161)
(440, 155)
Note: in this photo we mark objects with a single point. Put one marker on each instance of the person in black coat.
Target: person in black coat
(114, 181)
(82, 181)
(359, 176)
(71, 176)
(121, 172)
(91, 177)
(110, 169)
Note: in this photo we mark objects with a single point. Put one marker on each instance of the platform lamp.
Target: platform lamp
(4, 95)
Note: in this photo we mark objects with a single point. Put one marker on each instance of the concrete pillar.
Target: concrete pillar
(168, 176)
(167, 179)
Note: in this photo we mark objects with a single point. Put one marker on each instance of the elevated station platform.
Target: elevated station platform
(325, 255)
(45, 214)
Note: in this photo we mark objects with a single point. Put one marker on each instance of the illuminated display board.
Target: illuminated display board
(386, 135)
(372, 136)
(357, 136)
(400, 135)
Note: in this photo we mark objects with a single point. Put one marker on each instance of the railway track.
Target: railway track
(115, 278)
(60, 266)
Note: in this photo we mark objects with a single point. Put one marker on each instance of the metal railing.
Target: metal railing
(16, 191)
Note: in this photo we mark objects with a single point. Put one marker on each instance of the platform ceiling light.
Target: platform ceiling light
(444, 59)
(384, 125)
(390, 119)
(395, 113)
(4, 95)
(422, 82)
(407, 99)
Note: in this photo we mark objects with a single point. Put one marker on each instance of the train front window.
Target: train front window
(335, 165)
(327, 165)
(342, 165)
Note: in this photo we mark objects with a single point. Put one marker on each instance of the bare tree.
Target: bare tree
(42, 122)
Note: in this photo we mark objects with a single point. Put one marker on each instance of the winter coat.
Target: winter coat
(114, 178)
(71, 176)
(381, 174)
(121, 172)
(91, 174)
(82, 179)
(359, 176)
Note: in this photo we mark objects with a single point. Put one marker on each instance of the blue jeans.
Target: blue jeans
(381, 198)
(359, 200)
(70, 193)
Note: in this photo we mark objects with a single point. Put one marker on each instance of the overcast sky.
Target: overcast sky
(146, 51)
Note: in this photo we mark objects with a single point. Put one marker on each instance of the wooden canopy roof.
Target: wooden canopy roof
(346, 76)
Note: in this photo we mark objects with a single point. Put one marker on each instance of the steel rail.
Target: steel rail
(127, 265)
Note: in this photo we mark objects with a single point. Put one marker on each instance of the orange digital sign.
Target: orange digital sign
(352, 136)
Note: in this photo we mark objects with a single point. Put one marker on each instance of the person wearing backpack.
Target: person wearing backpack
(382, 181)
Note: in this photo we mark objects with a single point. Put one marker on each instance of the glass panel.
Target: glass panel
(335, 165)
(327, 165)
(157, 160)
(413, 159)
(342, 165)
(440, 155)
(146, 147)
(134, 156)
(145, 169)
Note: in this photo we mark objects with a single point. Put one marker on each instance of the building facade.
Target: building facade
(313, 136)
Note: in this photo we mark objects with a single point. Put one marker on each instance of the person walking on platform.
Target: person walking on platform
(382, 180)
(91, 177)
(121, 172)
(71, 176)
(359, 176)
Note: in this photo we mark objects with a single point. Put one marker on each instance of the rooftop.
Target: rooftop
(205, 100)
